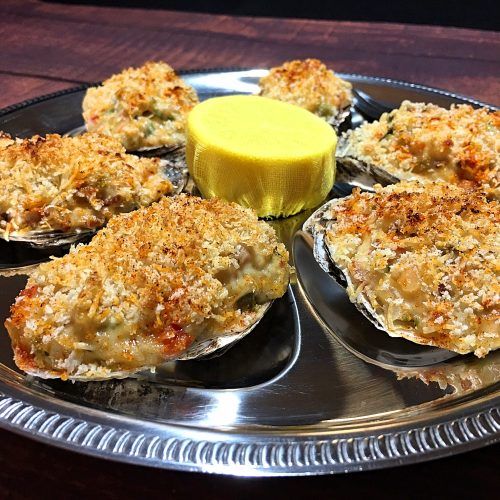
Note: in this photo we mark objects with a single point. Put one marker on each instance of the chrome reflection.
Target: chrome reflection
(223, 409)
(235, 82)
(458, 374)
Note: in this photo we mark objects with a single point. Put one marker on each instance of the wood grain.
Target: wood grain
(27, 86)
(81, 43)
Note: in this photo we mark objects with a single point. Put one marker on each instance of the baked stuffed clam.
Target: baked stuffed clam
(54, 189)
(419, 260)
(173, 280)
(144, 108)
(424, 142)
(311, 85)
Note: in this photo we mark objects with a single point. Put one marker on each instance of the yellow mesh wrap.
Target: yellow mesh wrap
(268, 155)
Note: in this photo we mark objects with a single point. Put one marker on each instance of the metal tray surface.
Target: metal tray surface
(314, 389)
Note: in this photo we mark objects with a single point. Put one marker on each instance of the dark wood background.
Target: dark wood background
(481, 14)
(48, 47)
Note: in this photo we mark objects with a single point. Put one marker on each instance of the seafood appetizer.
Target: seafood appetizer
(311, 85)
(425, 142)
(419, 260)
(146, 289)
(53, 188)
(144, 108)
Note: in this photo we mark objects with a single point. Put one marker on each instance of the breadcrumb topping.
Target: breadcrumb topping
(425, 258)
(427, 142)
(146, 287)
(144, 107)
(72, 183)
(309, 84)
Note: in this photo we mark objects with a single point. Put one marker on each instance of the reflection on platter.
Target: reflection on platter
(312, 353)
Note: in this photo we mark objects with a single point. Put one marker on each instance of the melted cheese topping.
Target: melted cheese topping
(426, 259)
(308, 84)
(145, 287)
(142, 107)
(426, 142)
(72, 183)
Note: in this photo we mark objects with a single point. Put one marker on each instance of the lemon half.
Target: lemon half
(269, 155)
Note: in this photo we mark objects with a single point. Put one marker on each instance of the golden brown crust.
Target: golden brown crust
(145, 287)
(427, 142)
(309, 84)
(72, 183)
(142, 107)
(424, 257)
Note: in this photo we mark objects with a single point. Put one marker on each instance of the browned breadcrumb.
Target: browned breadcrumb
(72, 183)
(425, 258)
(142, 107)
(309, 84)
(427, 142)
(145, 287)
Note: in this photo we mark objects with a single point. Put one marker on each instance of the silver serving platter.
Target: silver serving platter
(314, 389)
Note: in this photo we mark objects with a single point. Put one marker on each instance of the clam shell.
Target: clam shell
(317, 226)
(8, 272)
(49, 238)
(175, 169)
(200, 348)
(156, 151)
(172, 158)
(217, 346)
(357, 172)
(337, 120)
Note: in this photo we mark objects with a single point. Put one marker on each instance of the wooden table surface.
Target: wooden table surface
(47, 47)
